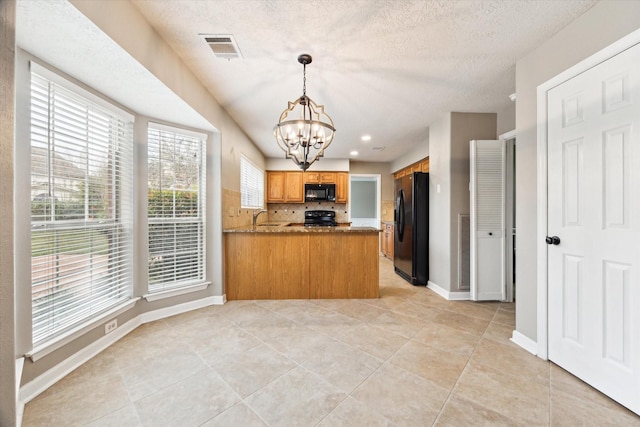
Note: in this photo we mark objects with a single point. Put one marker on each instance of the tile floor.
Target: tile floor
(408, 358)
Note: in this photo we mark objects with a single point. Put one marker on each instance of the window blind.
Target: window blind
(176, 207)
(81, 208)
(251, 185)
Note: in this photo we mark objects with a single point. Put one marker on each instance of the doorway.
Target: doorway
(364, 197)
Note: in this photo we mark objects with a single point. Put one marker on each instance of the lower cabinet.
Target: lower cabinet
(387, 240)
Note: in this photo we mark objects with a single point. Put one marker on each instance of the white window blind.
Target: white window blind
(81, 219)
(251, 185)
(176, 202)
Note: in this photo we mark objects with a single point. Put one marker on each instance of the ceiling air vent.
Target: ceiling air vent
(378, 148)
(223, 46)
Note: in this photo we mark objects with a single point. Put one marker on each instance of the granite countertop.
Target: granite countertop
(286, 228)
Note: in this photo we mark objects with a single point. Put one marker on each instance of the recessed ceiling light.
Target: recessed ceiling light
(366, 138)
(354, 153)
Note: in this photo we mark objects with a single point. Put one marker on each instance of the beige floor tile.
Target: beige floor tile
(341, 365)
(516, 397)
(574, 401)
(374, 340)
(150, 374)
(405, 326)
(296, 398)
(361, 311)
(438, 366)
(250, 370)
(446, 338)
(126, 416)
(300, 343)
(500, 333)
(352, 413)
(77, 403)
(506, 317)
(322, 320)
(482, 310)
(511, 359)
(189, 402)
(402, 397)
(232, 340)
(238, 415)
(461, 412)
(330, 304)
(249, 314)
(462, 322)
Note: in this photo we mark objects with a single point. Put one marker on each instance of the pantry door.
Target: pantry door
(593, 226)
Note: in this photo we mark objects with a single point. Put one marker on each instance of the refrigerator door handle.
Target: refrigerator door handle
(400, 215)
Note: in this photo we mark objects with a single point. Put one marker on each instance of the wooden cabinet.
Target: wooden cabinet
(387, 240)
(320, 178)
(285, 187)
(424, 164)
(342, 187)
(421, 166)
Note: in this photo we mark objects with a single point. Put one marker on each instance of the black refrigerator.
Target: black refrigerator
(411, 234)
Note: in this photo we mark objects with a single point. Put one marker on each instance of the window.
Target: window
(251, 185)
(81, 220)
(176, 201)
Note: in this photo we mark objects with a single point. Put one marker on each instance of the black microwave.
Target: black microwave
(319, 192)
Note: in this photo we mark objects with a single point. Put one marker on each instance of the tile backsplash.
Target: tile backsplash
(294, 212)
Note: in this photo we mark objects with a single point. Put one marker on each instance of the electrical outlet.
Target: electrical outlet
(111, 326)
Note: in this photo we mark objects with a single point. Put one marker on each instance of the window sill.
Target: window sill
(175, 292)
(43, 350)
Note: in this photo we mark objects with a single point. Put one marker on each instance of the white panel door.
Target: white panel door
(487, 205)
(594, 211)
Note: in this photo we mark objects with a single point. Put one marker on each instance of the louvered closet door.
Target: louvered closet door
(594, 210)
(487, 205)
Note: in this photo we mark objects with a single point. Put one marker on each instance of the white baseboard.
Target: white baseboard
(20, 406)
(451, 296)
(525, 342)
(163, 313)
(41, 383)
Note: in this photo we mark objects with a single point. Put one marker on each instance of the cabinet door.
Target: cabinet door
(390, 241)
(327, 177)
(311, 178)
(276, 187)
(417, 167)
(342, 187)
(295, 187)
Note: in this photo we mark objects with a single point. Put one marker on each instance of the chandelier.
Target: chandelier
(304, 130)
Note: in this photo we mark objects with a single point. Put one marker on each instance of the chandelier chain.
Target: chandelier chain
(304, 79)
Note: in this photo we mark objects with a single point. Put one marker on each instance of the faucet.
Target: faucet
(256, 214)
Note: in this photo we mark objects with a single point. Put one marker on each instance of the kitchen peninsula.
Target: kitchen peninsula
(296, 262)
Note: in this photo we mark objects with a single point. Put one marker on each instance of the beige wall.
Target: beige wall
(386, 184)
(600, 26)
(449, 172)
(8, 407)
(464, 128)
(440, 201)
(507, 119)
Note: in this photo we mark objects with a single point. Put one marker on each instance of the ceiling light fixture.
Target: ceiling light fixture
(304, 126)
(354, 153)
(366, 138)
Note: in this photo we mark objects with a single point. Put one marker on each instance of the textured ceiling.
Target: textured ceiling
(387, 68)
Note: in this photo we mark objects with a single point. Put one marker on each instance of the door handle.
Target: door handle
(555, 240)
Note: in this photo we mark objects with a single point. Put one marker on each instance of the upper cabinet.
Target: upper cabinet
(285, 187)
(420, 166)
(342, 187)
(288, 187)
(320, 178)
